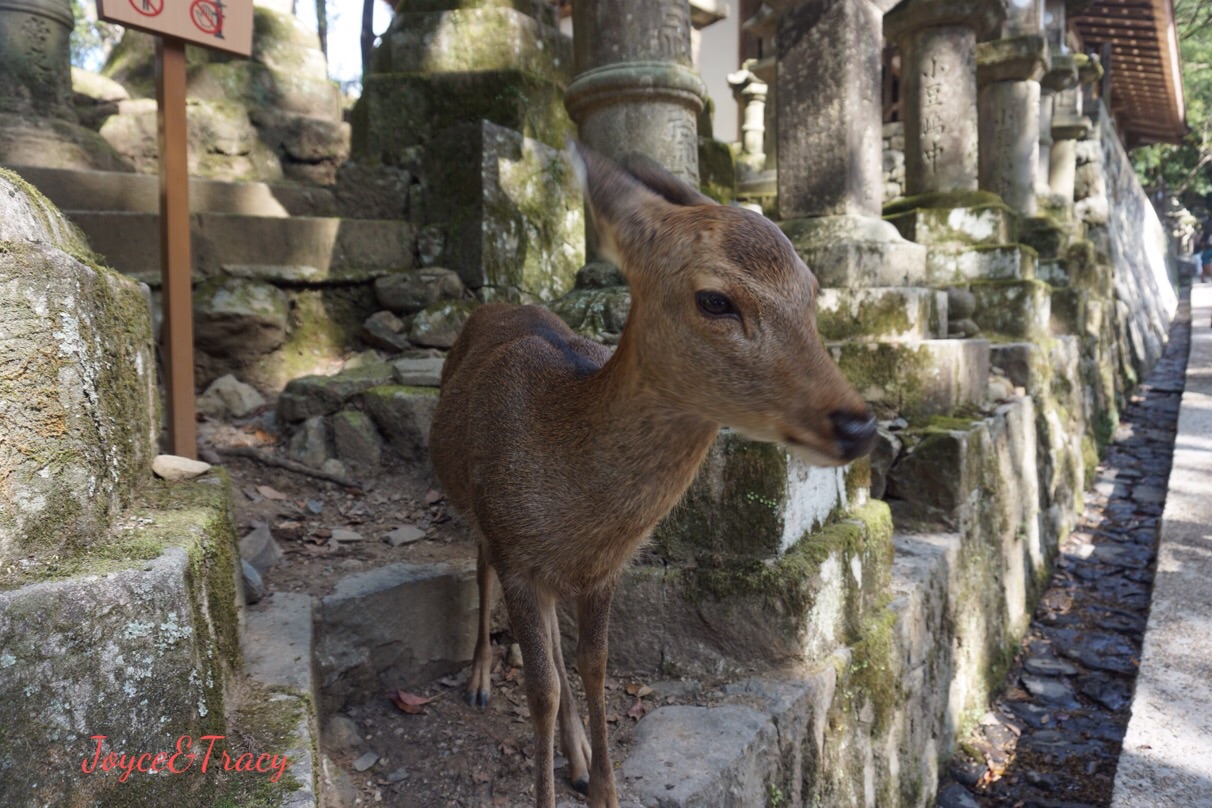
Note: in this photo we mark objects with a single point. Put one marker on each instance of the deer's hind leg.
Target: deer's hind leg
(573, 742)
(479, 684)
(528, 612)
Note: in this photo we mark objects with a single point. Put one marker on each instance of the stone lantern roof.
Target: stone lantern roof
(1144, 73)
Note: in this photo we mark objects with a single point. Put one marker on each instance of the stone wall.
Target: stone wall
(1128, 235)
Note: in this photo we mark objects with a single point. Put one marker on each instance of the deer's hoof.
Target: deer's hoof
(581, 784)
(477, 698)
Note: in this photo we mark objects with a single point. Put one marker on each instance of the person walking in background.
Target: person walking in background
(1205, 254)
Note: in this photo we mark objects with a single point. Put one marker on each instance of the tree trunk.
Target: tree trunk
(322, 25)
(368, 35)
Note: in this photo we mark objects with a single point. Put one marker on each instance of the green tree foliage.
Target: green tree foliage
(92, 39)
(1185, 171)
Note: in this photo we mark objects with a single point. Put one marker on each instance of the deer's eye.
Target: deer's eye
(716, 304)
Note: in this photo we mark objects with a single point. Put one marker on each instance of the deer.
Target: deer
(563, 456)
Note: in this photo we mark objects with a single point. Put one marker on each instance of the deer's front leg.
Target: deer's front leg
(528, 612)
(593, 621)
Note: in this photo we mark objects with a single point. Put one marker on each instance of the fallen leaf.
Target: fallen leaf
(481, 776)
(638, 710)
(638, 690)
(433, 496)
(409, 702)
(613, 718)
(269, 492)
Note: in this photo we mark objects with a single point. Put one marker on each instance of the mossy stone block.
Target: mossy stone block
(133, 638)
(77, 397)
(466, 40)
(895, 314)
(916, 379)
(717, 170)
(1017, 309)
(752, 500)
(598, 313)
(400, 111)
(403, 415)
(311, 396)
(512, 212)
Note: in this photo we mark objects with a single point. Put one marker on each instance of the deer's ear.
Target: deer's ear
(653, 175)
(625, 204)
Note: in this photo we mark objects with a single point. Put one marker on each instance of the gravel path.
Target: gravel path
(1053, 737)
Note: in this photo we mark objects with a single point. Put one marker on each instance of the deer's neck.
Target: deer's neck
(651, 447)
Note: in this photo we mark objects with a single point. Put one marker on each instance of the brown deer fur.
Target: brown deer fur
(563, 456)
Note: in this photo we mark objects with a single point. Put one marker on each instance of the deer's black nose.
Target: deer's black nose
(855, 433)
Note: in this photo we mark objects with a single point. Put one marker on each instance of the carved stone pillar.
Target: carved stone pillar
(750, 93)
(35, 58)
(830, 172)
(937, 39)
(635, 89)
(1008, 73)
(1061, 75)
(1069, 125)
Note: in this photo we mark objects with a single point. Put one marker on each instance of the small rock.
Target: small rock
(260, 549)
(406, 534)
(334, 467)
(419, 372)
(228, 396)
(397, 775)
(210, 456)
(355, 438)
(174, 467)
(410, 292)
(382, 330)
(956, 796)
(344, 534)
(254, 587)
(1048, 666)
(514, 657)
(999, 388)
(1051, 690)
(341, 734)
(309, 445)
(439, 325)
(365, 761)
(961, 304)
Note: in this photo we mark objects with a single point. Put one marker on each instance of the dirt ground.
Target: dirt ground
(445, 753)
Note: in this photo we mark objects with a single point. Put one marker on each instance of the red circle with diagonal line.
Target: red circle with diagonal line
(207, 16)
(148, 8)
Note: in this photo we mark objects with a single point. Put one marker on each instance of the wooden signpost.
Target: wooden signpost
(224, 25)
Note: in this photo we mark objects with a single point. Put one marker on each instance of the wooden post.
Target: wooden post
(177, 330)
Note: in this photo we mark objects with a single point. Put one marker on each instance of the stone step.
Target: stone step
(276, 641)
(1020, 309)
(364, 644)
(979, 225)
(766, 741)
(953, 264)
(892, 314)
(81, 190)
(916, 379)
(85, 637)
(315, 249)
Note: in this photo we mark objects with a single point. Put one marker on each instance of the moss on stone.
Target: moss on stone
(943, 199)
(883, 315)
(892, 377)
(872, 669)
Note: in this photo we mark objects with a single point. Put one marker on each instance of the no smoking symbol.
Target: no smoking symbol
(148, 8)
(207, 15)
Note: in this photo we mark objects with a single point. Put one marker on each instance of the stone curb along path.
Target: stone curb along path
(1053, 737)
(1167, 751)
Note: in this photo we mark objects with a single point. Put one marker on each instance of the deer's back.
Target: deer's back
(504, 390)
